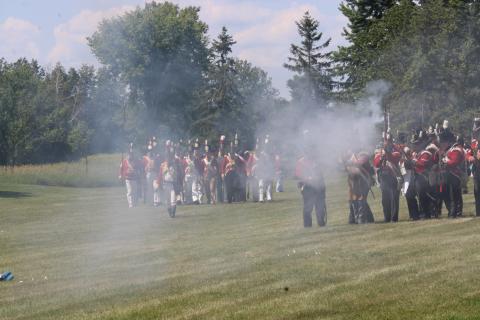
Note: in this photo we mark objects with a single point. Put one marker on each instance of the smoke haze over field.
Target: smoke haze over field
(333, 130)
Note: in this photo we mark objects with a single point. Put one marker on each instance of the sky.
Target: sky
(52, 31)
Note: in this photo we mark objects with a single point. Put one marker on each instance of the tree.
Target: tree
(353, 62)
(161, 52)
(313, 83)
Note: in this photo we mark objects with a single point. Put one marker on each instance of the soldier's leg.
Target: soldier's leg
(254, 189)
(261, 190)
(208, 194)
(219, 189)
(456, 193)
(134, 188)
(387, 198)
(173, 201)
(308, 204)
(351, 216)
(268, 190)
(156, 193)
(128, 185)
(320, 207)
(213, 189)
(396, 205)
(149, 188)
(368, 213)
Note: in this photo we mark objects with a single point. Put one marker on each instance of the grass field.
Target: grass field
(81, 254)
(100, 171)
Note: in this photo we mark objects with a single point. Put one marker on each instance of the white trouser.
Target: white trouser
(264, 189)
(132, 188)
(197, 190)
(279, 184)
(169, 192)
(156, 193)
(149, 190)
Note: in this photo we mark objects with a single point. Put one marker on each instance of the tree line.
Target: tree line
(161, 75)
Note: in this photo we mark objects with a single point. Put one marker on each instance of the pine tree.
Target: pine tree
(312, 85)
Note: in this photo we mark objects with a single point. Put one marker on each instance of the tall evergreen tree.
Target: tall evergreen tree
(352, 62)
(312, 85)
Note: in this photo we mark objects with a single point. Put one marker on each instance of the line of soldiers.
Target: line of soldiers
(180, 173)
(430, 171)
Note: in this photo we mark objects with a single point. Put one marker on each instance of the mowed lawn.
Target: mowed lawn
(81, 254)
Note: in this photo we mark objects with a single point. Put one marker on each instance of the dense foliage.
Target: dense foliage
(426, 50)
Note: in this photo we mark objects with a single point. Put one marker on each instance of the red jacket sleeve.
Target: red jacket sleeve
(377, 161)
(454, 158)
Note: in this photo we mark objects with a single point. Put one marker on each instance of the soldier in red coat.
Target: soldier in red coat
(312, 186)
(454, 161)
(167, 178)
(131, 170)
(387, 163)
(419, 198)
(360, 180)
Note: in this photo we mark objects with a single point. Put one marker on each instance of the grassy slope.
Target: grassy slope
(102, 172)
(103, 261)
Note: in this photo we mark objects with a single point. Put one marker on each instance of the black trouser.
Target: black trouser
(313, 197)
(361, 212)
(390, 197)
(476, 192)
(220, 193)
(455, 195)
(425, 198)
(411, 196)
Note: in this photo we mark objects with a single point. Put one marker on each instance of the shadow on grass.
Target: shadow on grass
(14, 194)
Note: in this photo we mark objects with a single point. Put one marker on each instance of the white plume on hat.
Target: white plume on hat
(445, 124)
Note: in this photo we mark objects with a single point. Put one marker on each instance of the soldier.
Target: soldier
(167, 178)
(360, 181)
(454, 161)
(421, 163)
(388, 171)
(474, 159)
(130, 171)
(312, 187)
(252, 182)
(149, 165)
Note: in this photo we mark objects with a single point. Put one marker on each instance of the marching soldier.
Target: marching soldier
(422, 161)
(312, 188)
(167, 178)
(454, 161)
(360, 181)
(387, 163)
(130, 171)
(149, 165)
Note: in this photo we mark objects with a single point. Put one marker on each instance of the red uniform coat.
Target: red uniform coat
(455, 160)
(423, 161)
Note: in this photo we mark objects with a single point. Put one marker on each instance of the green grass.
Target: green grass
(103, 171)
(81, 254)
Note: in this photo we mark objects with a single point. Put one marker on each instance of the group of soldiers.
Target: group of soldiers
(190, 173)
(430, 170)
